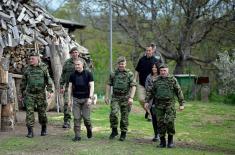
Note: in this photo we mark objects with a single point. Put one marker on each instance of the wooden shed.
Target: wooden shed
(26, 26)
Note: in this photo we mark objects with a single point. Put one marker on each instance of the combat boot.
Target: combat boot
(123, 136)
(66, 125)
(162, 142)
(170, 143)
(89, 131)
(44, 130)
(156, 138)
(30, 132)
(76, 139)
(114, 133)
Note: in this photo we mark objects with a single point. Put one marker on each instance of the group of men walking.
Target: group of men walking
(156, 90)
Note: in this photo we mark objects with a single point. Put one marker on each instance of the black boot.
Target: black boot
(156, 138)
(30, 132)
(114, 133)
(66, 125)
(76, 139)
(170, 141)
(162, 142)
(89, 131)
(146, 115)
(123, 136)
(44, 130)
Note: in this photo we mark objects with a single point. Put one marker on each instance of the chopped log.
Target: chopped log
(39, 18)
(5, 16)
(3, 24)
(22, 14)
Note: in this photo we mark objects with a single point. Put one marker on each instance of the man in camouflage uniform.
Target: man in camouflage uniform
(124, 86)
(35, 80)
(163, 91)
(68, 69)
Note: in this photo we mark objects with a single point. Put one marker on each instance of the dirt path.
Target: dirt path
(20, 128)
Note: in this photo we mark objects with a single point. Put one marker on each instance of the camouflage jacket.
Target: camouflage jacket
(164, 89)
(67, 70)
(36, 79)
(122, 81)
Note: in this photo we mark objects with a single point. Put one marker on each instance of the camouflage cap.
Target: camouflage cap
(33, 53)
(121, 59)
(163, 66)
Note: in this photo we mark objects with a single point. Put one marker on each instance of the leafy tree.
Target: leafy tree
(176, 26)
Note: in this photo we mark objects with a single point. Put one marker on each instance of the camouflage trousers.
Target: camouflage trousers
(119, 104)
(39, 101)
(166, 120)
(81, 110)
(67, 108)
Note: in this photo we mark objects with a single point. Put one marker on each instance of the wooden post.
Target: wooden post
(8, 110)
(17, 80)
(57, 70)
(4, 67)
(7, 96)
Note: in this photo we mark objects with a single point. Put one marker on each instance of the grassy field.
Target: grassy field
(202, 128)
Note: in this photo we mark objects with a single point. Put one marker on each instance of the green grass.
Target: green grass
(202, 128)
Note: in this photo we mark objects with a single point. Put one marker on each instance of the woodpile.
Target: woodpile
(27, 23)
(25, 26)
(17, 57)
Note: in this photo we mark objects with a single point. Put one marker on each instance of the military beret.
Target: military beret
(73, 49)
(163, 66)
(121, 59)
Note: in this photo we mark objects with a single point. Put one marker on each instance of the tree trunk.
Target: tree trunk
(180, 66)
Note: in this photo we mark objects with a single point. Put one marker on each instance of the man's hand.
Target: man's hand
(89, 101)
(146, 105)
(62, 90)
(181, 108)
(106, 100)
(49, 95)
(130, 101)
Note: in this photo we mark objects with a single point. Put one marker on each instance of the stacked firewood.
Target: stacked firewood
(17, 57)
(25, 22)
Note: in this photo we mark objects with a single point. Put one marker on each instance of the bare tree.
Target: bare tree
(176, 26)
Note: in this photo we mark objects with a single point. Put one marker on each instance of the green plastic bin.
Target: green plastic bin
(187, 84)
